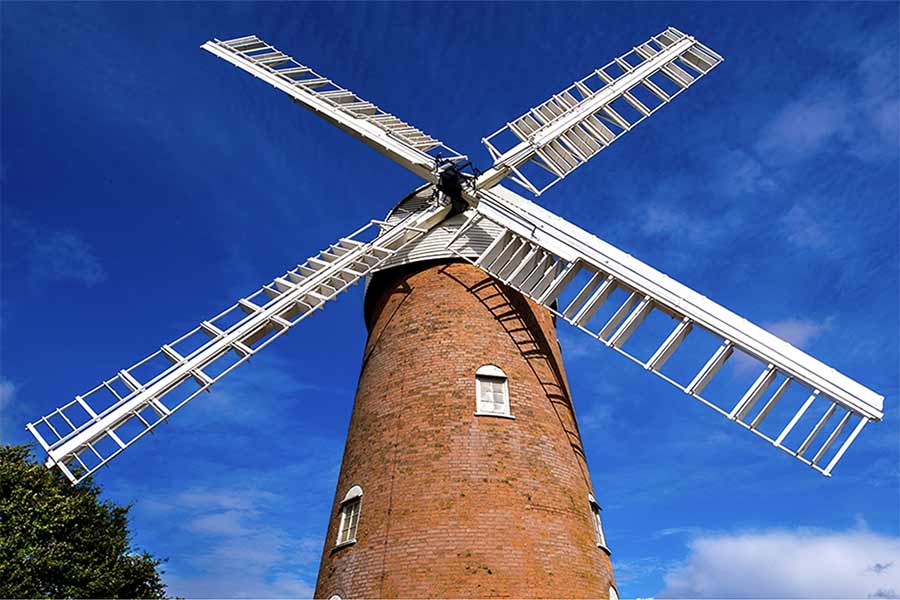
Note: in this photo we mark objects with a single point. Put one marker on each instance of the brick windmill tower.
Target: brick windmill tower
(464, 471)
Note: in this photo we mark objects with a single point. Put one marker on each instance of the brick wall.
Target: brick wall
(458, 505)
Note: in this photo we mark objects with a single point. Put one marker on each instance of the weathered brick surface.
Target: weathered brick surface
(458, 505)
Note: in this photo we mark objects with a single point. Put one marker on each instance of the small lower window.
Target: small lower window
(491, 391)
(598, 523)
(350, 508)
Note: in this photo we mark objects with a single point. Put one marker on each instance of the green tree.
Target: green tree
(63, 541)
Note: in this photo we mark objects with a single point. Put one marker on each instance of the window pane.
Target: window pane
(349, 521)
(492, 395)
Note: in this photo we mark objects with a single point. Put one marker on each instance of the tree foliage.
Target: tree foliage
(63, 541)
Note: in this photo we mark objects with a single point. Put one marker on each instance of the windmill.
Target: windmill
(478, 257)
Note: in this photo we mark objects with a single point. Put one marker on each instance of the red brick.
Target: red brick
(458, 505)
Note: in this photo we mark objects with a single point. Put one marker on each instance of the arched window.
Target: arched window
(598, 524)
(491, 392)
(350, 506)
(613, 594)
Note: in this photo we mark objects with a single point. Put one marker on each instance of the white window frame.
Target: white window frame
(494, 373)
(352, 498)
(598, 524)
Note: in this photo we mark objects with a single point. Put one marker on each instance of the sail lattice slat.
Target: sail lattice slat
(572, 126)
(791, 400)
(96, 426)
(409, 145)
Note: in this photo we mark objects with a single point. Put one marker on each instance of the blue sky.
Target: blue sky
(146, 185)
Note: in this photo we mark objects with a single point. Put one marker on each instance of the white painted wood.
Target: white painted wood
(570, 243)
(563, 133)
(293, 303)
(382, 131)
(568, 246)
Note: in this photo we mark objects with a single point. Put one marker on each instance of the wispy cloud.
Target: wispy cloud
(735, 172)
(7, 396)
(798, 331)
(857, 115)
(56, 256)
(804, 126)
(788, 564)
(7, 392)
(803, 231)
(238, 549)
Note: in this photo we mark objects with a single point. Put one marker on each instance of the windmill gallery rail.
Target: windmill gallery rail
(558, 265)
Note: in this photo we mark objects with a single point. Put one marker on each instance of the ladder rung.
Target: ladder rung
(815, 431)
(272, 59)
(281, 284)
(770, 404)
(753, 394)
(833, 436)
(202, 378)
(670, 345)
(87, 408)
(211, 330)
(636, 104)
(837, 457)
(620, 314)
(503, 257)
(526, 266)
(248, 307)
(557, 286)
(312, 82)
(678, 74)
(535, 279)
(594, 303)
(583, 294)
(290, 71)
(633, 321)
(710, 369)
(111, 433)
(616, 117)
(280, 322)
(161, 409)
(795, 418)
(516, 262)
(241, 348)
(655, 89)
(174, 357)
(246, 44)
(129, 381)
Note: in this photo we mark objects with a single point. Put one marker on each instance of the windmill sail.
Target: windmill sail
(571, 127)
(396, 139)
(95, 427)
(575, 275)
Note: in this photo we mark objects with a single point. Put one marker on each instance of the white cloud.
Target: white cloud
(7, 395)
(57, 256)
(663, 221)
(7, 392)
(737, 173)
(804, 126)
(788, 564)
(239, 550)
(222, 523)
(804, 231)
(797, 331)
(857, 115)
